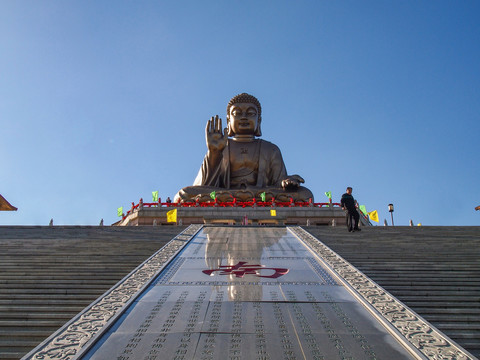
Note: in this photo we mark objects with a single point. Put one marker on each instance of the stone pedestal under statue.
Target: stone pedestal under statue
(238, 216)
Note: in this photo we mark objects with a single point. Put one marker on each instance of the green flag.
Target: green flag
(212, 195)
(328, 194)
(155, 196)
(120, 211)
(363, 209)
(262, 196)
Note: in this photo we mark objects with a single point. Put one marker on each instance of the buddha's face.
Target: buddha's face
(243, 118)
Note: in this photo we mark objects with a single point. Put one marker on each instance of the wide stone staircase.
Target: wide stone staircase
(49, 274)
(433, 270)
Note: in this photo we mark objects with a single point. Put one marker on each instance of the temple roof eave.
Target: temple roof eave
(5, 205)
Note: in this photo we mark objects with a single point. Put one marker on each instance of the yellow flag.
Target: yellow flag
(373, 215)
(172, 216)
(273, 212)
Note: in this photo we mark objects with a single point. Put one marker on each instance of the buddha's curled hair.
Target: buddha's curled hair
(246, 98)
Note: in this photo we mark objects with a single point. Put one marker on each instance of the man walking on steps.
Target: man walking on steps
(348, 203)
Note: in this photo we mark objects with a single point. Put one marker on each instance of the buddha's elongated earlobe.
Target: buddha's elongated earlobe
(258, 130)
(229, 127)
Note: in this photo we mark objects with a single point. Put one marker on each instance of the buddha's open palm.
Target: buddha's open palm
(216, 136)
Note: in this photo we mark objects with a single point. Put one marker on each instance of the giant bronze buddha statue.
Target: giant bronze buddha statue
(238, 165)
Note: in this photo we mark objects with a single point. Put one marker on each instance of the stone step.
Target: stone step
(412, 300)
(456, 318)
(415, 280)
(36, 308)
(46, 290)
(40, 296)
(13, 344)
(13, 355)
(91, 269)
(472, 346)
(21, 331)
(23, 316)
(31, 323)
(425, 294)
(441, 304)
(4, 283)
(103, 277)
(432, 309)
(474, 327)
(31, 332)
(36, 300)
(464, 335)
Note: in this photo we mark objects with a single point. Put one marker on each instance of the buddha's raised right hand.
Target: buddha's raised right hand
(216, 137)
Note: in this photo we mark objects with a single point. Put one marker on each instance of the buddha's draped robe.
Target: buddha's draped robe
(270, 169)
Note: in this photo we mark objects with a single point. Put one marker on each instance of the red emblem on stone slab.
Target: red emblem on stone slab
(240, 269)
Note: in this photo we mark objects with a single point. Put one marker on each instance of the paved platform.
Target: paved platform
(247, 293)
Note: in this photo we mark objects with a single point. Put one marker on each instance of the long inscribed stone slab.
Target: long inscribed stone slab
(250, 293)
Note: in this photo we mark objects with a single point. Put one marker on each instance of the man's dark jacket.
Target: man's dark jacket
(348, 201)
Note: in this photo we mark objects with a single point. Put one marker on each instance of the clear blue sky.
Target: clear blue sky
(102, 102)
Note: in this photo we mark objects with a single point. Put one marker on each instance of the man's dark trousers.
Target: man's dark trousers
(351, 216)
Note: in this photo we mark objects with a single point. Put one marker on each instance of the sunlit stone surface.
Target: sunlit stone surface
(244, 293)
